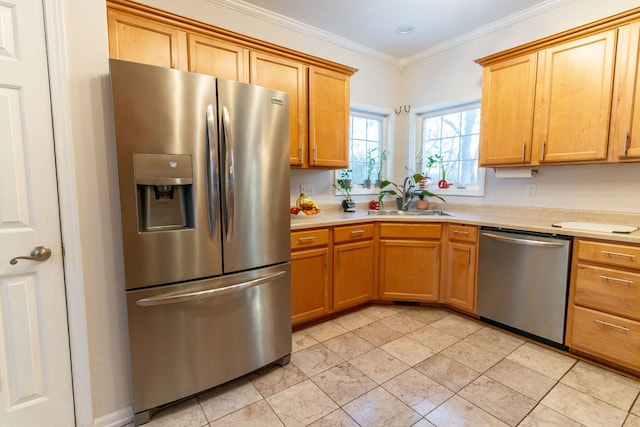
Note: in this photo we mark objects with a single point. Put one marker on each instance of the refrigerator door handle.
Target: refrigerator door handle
(230, 179)
(212, 173)
(192, 296)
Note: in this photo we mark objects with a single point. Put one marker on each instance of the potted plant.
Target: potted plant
(423, 204)
(383, 158)
(371, 164)
(404, 193)
(425, 165)
(344, 187)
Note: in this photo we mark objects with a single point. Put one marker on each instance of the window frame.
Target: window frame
(441, 110)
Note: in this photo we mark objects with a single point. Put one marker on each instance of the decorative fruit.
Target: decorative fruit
(294, 211)
(306, 205)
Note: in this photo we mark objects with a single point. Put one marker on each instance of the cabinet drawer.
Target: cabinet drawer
(609, 253)
(463, 233)
(613, 291)
(352, 232)
(610, 337)
(309, 238)
(410, 231)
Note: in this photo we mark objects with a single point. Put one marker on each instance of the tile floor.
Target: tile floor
(415, 366)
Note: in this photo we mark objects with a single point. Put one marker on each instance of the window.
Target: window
(367, 134)
(447, 146)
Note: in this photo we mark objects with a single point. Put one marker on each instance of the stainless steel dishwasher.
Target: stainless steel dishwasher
(523, 282)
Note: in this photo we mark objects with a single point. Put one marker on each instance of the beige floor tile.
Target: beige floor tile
(583, 408)
(636, 407)
(418, 391)
(228, 398)
(273, 379)
(423, 423)
(315, 359)
(379, 365)
(451, 374)
(460, 412)
(379, 312)
(632, 421)
(522, 379)
(188, 414)
(353, 320)
(403, 323)
(427, 316)
(301, 404)
(433, 338)
(301, 340)
(337, 418)
(546, 361)
(325, 330)
(407, 350)
(457, 325)
(256, 414)
(618, 390)
(472, 356)
(380, 408)
(348, 345)
(499, 400)
(541, 416)
(495, 341)
(344, 383)
(377, 334)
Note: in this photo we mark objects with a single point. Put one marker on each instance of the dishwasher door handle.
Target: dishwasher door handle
(521, 241)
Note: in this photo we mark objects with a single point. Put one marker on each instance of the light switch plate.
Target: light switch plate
(307, 189)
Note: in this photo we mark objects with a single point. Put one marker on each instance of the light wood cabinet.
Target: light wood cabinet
(506, 122)
(291, 77)
(625, 128)
(353, 253)
(329, 93)
(310, 280)
(603, 318)
(409, 262)
(217, 58)
(460, 277)
(132, 38)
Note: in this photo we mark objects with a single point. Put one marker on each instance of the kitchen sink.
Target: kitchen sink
(398, 212)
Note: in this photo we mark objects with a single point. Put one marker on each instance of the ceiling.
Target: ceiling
(372, 24)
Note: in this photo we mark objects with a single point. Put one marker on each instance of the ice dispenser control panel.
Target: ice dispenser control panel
(164, 185)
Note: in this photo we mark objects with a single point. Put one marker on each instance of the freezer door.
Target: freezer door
(166, 139)
(254, 147)
(187, 338)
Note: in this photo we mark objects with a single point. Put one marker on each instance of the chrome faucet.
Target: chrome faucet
(407, 194)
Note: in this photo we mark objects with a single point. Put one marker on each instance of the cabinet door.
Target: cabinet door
(625, 126)
(217, 58)
(573, 100)
(328, 118)
(460, 287)
(141, 40)
(409, 270)
(352, 274)
(309, 285)
(506, 123)
(288, 76)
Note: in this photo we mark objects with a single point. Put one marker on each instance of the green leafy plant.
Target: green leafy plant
(425, 193)
(384, 154)
(344, 184)
(371, 162)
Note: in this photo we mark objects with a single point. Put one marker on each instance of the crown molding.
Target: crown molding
(291, 24)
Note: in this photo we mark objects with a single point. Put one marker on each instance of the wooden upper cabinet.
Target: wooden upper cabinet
(136, 39)
(288, 76)
(508, 94)
(573, 99)
(625, 124)
(328, 118)
(217, 58)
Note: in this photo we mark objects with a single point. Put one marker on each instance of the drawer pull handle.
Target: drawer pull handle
(357, 232)
(461, 232)
(611, 325)
(306, 239)
(615, 279)
(619, 254)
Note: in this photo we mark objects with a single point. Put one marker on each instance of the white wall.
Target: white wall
(448, 76)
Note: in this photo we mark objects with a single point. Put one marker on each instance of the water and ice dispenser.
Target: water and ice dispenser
(164, 184)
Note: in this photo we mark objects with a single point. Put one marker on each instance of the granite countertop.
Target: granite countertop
(512, 217)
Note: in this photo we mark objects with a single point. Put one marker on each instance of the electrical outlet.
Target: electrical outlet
(531, 190)
(307, 189)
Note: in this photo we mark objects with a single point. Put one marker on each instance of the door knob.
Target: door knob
(39, 253)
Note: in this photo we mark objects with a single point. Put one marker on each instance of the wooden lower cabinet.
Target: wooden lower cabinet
(460, 275)
(353, 254)
(409, 262)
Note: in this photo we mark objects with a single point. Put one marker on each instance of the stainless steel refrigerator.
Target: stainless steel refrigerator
(204, 192)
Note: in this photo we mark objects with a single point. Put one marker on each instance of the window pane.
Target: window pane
(366, 135)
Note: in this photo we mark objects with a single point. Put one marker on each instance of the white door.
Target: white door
(35, 370)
